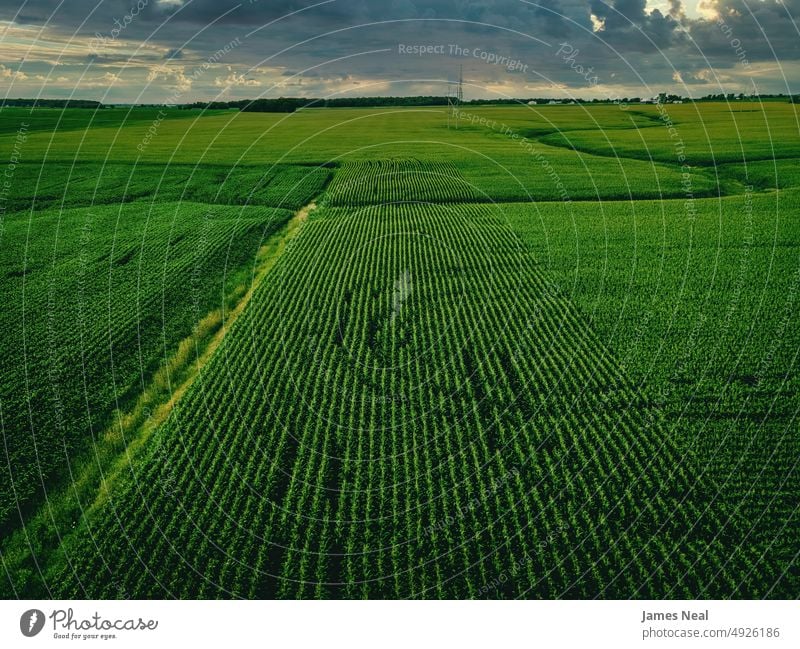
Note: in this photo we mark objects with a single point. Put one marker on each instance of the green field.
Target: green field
(355, 353)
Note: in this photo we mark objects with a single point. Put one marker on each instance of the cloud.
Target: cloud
(766, 29)
(234, 79)
(175, 76)
(173, 54)
(102, 81)
(629, 27)
(634, 42)
(598, 24)
(8, 73)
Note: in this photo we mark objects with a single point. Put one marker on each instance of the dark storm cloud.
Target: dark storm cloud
(629, 24)
(629, 27)
(611, 36)
(316, 15)
(766, 29)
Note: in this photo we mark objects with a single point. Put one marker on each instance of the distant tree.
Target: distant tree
(51, 103)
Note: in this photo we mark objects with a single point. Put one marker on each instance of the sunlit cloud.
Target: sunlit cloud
(235, 79)
(174, 76)
(707, 9)
(8, 73)
(598, 24)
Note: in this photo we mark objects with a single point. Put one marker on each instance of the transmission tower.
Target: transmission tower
(454, 98)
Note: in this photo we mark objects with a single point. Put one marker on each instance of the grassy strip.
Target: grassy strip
(40, 547)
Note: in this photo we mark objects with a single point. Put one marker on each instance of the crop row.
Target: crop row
(394, 180)
(701, 310)
(39, 186)
(423, 415)
(93, 304)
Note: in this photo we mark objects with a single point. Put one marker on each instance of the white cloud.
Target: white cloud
(175, 73)
(705, 75)
(8, 73)
(102, 81)
(234, 79)
(707, 9)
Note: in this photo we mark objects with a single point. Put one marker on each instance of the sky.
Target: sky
(179, 51)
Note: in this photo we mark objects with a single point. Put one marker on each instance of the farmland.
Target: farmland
(358, 354)
(95, 301)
